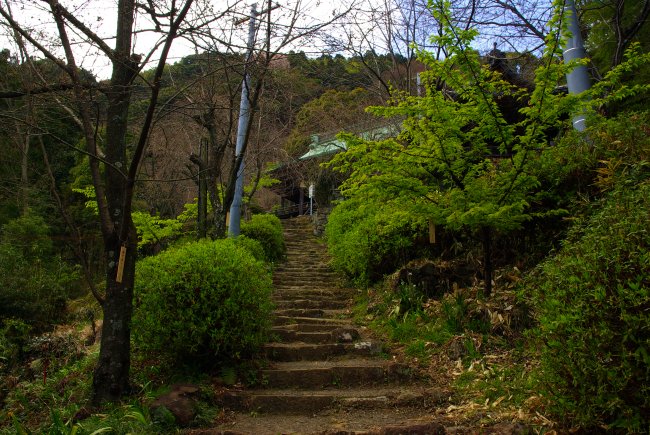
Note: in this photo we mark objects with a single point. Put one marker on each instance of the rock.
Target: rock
(180, 402)
(345, 335)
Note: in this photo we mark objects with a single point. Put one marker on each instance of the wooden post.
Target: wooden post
(120, 265)
(432, 232)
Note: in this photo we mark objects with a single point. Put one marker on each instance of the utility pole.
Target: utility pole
(244, 119)
(578, 79)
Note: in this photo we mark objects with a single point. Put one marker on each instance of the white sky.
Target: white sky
(100, 16)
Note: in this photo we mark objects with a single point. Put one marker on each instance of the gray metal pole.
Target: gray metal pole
(578, 79)
(244, 119)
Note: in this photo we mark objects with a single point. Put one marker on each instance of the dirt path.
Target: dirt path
(325, 375)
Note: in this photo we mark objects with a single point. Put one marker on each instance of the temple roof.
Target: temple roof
(333, 145)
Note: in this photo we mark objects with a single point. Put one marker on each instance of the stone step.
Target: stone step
(284, 336)
(311, 293)
(318, 352)
(298, 285)
(306, 281)
(297, 402)
(310, 312)
(316, 287)
(323, 268)
(330, 304)
(312, 274)
(313, 327)
(399, 421)
(315, 334)
(343, 373)
(290, 320)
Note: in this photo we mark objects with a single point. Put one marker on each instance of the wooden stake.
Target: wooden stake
(120, 265)
(432, 233)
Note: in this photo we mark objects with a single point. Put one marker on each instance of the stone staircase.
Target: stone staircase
(324, 374)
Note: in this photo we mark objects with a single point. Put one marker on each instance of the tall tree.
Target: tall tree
(114, 170)
(461, 161)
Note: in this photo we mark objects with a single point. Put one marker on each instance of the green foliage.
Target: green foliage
(267, 230)
(461, 160)
(202, 300)
(366, 239)
(329, 113)
(254, 247)
(14, 336)
(48, 405)
(458, 160)
(593, 316)
(153, 229)
(35, 283)
(599, 16)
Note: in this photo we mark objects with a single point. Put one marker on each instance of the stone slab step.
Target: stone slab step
(315, 288)
(316, 335)
(411, 421)
(297, 402)
(309, 268)
(339, 373)
(330, 304)
(288, 320)
(312, 327)
(315, 352)
(280, 276)
(310, 312)
(284, 336)
(310, 293)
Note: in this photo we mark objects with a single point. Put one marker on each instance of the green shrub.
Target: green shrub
(370, 239)
(266, 229)
(201, 300)
(14, 336)
(35, 283)
(594, 324)
(254, 247)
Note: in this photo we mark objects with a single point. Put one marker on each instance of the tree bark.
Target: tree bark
(111, 377)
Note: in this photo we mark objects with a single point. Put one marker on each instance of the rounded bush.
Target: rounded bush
(266, 229)
(368, 240)
(594, 324)
(252, 246)
(201, 300)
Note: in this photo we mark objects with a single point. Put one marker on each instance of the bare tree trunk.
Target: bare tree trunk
(111, 377)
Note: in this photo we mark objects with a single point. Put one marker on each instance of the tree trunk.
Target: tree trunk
(487, 260)
(111, 379)
(111, 376)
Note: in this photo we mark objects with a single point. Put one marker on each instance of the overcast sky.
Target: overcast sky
(100, 16)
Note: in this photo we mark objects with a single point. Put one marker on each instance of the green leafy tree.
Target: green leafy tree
(329, 113)
(459, 161)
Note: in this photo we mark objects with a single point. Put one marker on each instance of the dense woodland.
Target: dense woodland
(541, 251)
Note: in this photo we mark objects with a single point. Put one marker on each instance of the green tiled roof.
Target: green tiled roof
(334, 145)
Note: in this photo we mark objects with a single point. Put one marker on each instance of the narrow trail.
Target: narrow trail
(325, 376)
